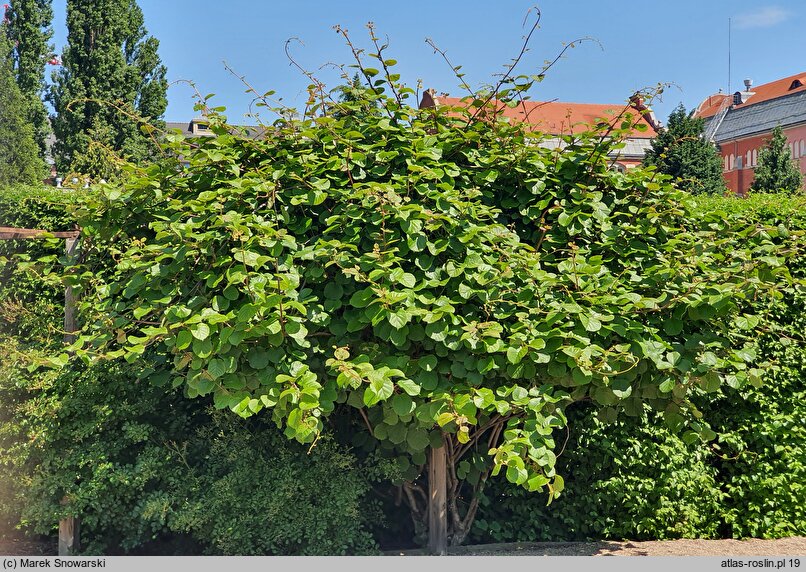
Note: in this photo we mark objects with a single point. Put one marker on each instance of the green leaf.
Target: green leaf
(409, 387)
(517, 475)
(183, 339)
(445, 418)
(397, 319)
(202, 348)
(515, 355)
(590, 323)
(428, 363)
(402, 404)
(667, 385)
(362, 298)
(673, 326)
(217, 367)
(333, 291)
(417, 439)
(258, 358)
(200, 331)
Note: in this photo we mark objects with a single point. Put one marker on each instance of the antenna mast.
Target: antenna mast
(728, 90)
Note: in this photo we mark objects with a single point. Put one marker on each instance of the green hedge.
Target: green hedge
(761, 455)
(31, 307)
(150, 471)
(31, 318)
(636, 479)
(145, 468)
(631, 479)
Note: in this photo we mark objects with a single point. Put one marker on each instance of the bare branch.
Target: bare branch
(454, 69)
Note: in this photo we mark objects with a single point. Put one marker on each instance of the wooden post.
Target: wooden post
(69, 300)
(70, 527)
(69, 535)
(437, 502)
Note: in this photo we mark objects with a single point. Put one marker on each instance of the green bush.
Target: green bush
(630, 479)
(635, 479)
(257, 494)
(97, 445)
(148, 470)
(31, 305)
(761, 455)
(31, 318)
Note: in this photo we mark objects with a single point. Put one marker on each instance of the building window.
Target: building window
(748, 160)
(199, 127)
(755, 157)
(727, 165)
(732, 162)
(802, 147)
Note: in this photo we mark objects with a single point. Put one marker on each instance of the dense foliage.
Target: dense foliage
(29, 30)
(762, 445)
(147, 471)
(636, 479)
(31, 304)
(31, 320)
(630, 479)
(257, 494)
(19, 156)
(111, 79)
(680, 152)
(438, 272)
(776, 170)
(159, 474)
(153, 472)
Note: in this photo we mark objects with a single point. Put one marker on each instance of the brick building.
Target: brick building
(740, 124)
(556, 119)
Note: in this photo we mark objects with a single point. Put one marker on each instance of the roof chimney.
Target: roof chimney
(748, 83)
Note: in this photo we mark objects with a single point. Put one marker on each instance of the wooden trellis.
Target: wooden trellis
(68, 527)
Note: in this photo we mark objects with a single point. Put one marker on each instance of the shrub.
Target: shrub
(31, 318)
(119, 452)
(31, 304)
(630, 479)
(147, 470)
(762, 445)
(257, 494)
(634, 479)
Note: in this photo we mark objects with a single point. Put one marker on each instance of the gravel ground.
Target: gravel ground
(28, 547)
(794, 546)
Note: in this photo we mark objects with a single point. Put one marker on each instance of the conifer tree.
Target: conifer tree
(19, 157)
(29, 31)
(111, 76)
(680, 151)
(776, 171)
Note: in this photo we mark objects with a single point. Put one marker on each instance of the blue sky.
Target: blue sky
(639, 45)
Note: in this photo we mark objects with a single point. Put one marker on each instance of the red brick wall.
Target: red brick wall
(739, 178)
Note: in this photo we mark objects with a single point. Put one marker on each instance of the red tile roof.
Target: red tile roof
(764, 92)
(560, 118)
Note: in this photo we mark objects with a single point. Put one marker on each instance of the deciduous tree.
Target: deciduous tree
(111, 78)
(776, 170)
(680, 151)
(19, 157)
(29, 30)
(437, 273)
